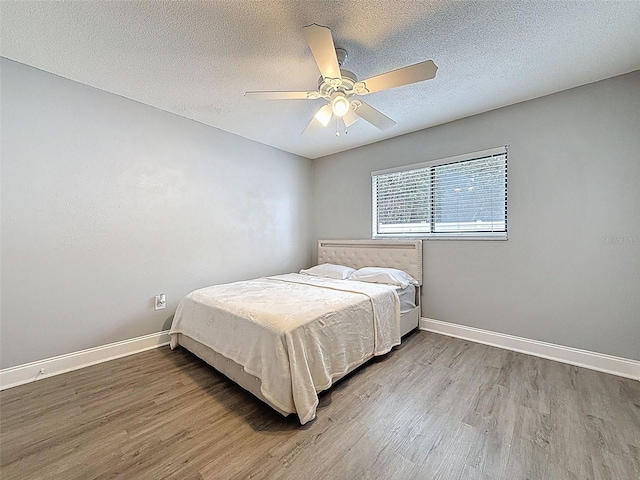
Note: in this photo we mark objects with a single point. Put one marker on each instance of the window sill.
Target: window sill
(444, 236)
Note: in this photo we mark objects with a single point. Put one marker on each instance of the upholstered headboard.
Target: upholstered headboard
(402, 254)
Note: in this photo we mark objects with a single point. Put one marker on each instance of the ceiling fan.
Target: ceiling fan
(339, 87)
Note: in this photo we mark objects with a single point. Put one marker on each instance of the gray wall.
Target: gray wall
(570, 272)
(107, 202)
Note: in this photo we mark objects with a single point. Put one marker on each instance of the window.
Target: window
(457, 197)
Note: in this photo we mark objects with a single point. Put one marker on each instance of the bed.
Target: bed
(288, 337)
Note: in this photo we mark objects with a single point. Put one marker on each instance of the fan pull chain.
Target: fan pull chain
(346, 129)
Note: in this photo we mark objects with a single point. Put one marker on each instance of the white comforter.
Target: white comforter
(296, 333)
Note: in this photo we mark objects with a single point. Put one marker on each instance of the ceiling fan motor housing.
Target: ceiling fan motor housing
(327, 87)
(341, 55)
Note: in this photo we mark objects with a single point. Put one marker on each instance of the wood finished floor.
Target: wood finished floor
(434, 408)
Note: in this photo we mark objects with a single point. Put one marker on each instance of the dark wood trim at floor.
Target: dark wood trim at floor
(434, 408)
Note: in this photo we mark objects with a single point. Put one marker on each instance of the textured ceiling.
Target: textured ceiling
(196, 59)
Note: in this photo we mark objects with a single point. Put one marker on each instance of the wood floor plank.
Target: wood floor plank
(388, 465)
(436, 407)
(420, 435)
(446, 457)
(529, 452)
(634, 454)
(570, 443)
(470, 473)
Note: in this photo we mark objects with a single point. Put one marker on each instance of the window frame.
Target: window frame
(502, 150)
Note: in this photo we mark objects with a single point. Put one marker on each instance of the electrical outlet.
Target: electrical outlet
(161, 302)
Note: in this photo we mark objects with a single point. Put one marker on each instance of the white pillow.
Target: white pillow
(391, 276)
(329, 270)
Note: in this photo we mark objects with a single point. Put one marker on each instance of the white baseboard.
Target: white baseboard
(30, 372)
(622, 367)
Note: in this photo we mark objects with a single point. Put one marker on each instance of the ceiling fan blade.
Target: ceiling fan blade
(396, 78)
(323, 49)
(374, 117)
(313, 126)
(350, 118)
(265, 95)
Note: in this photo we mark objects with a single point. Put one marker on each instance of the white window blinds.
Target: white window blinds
(463, 196)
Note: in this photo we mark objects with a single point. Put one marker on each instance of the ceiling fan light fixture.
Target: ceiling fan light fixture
(339, 105)
(324, 115)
